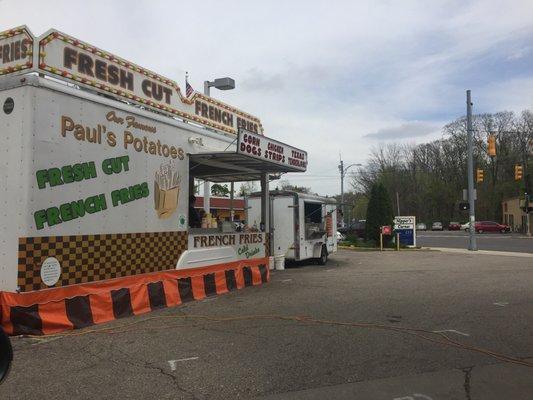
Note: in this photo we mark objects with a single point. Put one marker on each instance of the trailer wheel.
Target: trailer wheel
(323, 256)
(6, 355)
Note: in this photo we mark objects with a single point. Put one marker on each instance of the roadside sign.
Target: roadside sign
(386, 230)
(405, 227)
(263, 148)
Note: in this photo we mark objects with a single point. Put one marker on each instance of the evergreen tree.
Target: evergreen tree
(379, 211)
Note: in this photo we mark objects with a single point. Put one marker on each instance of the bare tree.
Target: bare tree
(429, 177)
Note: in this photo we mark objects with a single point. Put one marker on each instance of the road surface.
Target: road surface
(337, 332)
(486, 241)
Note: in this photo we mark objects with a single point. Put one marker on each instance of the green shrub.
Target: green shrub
(378, 213)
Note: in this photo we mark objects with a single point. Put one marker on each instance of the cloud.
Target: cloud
(326, 79)
(518, 53)
(404, 131)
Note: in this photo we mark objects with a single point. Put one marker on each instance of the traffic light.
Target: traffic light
(479, 175)
(464, 206)
(518, 172)
(492, 145)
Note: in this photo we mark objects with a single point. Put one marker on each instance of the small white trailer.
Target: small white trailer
(303, 226)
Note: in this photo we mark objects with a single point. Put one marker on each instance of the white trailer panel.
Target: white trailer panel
(78, 164)
(301, 224)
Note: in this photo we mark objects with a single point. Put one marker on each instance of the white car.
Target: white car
(465, 226)
(421, 227)
(340, 237)
(437, 226)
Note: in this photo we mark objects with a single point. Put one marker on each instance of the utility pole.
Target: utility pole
(341, 169)
(472, 245)
(398, 203)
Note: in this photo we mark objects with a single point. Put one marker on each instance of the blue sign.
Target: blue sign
(407, 236)
(404, 226)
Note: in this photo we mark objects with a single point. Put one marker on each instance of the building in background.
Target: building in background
(513, 215)
(220, 207)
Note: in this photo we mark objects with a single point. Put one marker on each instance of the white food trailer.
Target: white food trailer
(100, 157)
(303, 225)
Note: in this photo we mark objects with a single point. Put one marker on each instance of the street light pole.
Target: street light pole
(343, 171)
(472, 245)
(221, 84)
(207, 185)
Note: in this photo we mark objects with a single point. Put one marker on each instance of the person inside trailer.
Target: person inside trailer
(194, 218)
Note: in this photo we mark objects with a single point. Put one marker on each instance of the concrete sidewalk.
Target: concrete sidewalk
(480, 252)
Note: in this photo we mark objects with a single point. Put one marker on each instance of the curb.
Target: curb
(355, 248)
(480, 252)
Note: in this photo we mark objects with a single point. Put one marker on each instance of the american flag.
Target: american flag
(188, 89)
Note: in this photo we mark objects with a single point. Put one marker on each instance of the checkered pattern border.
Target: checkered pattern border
(89, 258)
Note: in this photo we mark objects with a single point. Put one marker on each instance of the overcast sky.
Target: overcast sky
(330, 76)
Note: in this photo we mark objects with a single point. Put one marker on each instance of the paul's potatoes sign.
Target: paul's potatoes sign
(105, 171)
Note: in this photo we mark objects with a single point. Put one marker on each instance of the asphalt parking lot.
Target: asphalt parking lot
(487, 241)
(339, 331)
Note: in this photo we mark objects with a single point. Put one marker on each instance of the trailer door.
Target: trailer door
(330, 216)
(283, 223)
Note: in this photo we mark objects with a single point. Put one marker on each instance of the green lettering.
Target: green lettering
(106, 166)
(40, 219)
(115, 197)
(52, 215)
(68, 176)
(89, 170)
(54, 176)
(42, 178)
(90, 205)
(144, 189)
(131, 191)
(117, 166)
(78, 209)
(95, 204)
(125, 162)
(66, 212)
(100, 202)
(137, 192)
(124, 196)
(77, 171)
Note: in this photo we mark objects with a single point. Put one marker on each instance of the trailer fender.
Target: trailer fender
(317, 249)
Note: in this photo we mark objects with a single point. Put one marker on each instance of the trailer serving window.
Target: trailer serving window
(314, 225)
(313, 212)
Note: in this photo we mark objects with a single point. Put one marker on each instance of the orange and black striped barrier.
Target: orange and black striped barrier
(77, 306)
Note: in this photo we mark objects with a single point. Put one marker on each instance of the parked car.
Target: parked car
(465, 227)
(454, 226)
(421, 227)
(437, 226)
(491, 226)
(340, 237)
(356, 228)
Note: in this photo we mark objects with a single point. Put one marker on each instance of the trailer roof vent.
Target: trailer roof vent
(9, 105)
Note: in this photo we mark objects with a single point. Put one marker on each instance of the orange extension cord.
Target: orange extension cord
(435, 337)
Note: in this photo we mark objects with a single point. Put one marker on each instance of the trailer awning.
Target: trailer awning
(233, 167)
(256, 155)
